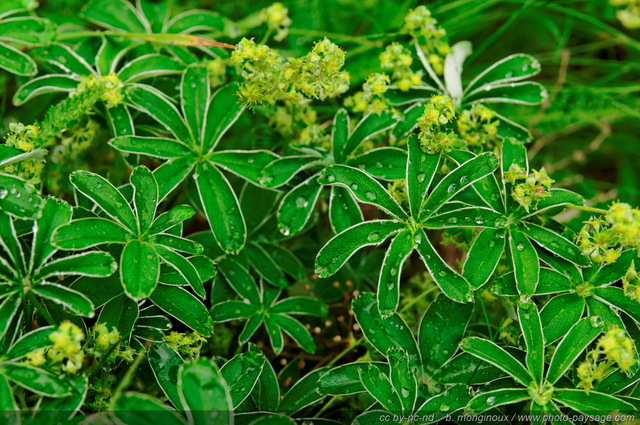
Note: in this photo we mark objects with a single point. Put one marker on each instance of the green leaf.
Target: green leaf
(512, 68)
(577, 339)
(19, 198)
(106, 196)
(282, 170)
(27, 30)
(453, 399)
(165, 363)
(363, 186)
(266, 392)
(558, 198)
(97, 264)
(340, 134)
(559, 314)
(121, 312)
(345, 379)
(88, 232)
(117, 14)
(184, 268)
(409, 121)
(525, 263)
(168, 219)
(467, 369)
(458, 179)
(195, 92)
(300, 305)
(120, 120)
(99, 290)
(389, 281)
(16, 62)
(296, 207)
(132, 408)
(139, 269)
(239, 279)
(522, 93)
(183, 306)
(156, 147)
(36, 380)
(31, 341)
(8, 402)
(531, 327)
(241, 374)
(250, 327)
(265, 265)
(441, 330)
(296, 331)
(303, 393)
(54, 214)
(221, 208)
(342, 246)
(483, 257)
(467, 217)
(556, 243)
(64, 58)
(491, 399)
(246, 164)
(497, 356)
(149, 66)
(403, 379)
(591, 402)
(421, 169)
(384, 332)
(66, 297)
(369, 126)
(42, 85)
(616, 298)
(386, 163)
(344, 211)
(8, 310)
(233, 310)
(451, 283)
(379, 386)
(224, 110)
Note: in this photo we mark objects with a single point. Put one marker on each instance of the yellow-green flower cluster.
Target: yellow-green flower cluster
(534, 188)
(613, 348)
(604, 238)
(435, 130)
(371, 98)
(108, 86)
(270, 78)
(277, 18)
(398, 190)
(67, 347)
(398, 59)
(478, 126)
(631, 283)
(629, 12)
(104, 341)
(431, 37)
(188, 344)
(24, 138)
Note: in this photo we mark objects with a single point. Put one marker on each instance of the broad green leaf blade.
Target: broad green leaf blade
(446, 403)
(575, 342)
(233, 310)
(241, 374)
(483, 257)
(54, 214)
(556, 243)
(344, 211)
(250, 327)
(16, 62)
(224, 110)
(184, 268)
(8, 310)
(342, 246)
(559, 314)
(522, 93)
(458, 179)
(275, 334)
(296, 331)
(403, 379)
(31, 341)
(120, 121)
(177, 243)
(467, 217)
(487, 187)
(122, 313)
(145, 196)
(183, 306)
(96, 264)
(195, 91)
(282, 170)
(8, 402)
(616, 298)
(64, 58)
(559, 198)
(133, 408)
(156, 147)
(165, 363)
(512, 68)
(384, 332)
(525, 263)
(139, 269)
(155, 104)
(106, 196)
(19, 198)
(88, 232)
(35, 87)
(221, 208)
(266, 392)
(469, 370)
(170, 174)
(592, 402)
(303, 393)
(28, 31)
(116, 14)
(168, 219)
(441, 330)
(340, 134)
(363, 186)
(345, 379)
(369, 126)
(300, 305)
(149, 66)
(421, 169)
(389, 281)
(386, 163)
(203, 391)
(11, 244)
(37, 380)
(379, 386)
(408, 122)
(265, 265)
(246, 164)
(240, 279)
(531, 327)
(485, 401)
(497, 356)
(451, 283)
(296, 207)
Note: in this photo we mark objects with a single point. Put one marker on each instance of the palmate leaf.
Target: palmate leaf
(531, 326)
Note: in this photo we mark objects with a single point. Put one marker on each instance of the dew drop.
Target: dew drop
(491, 400)
(354, 186)
(596, 321)
(418, 238)
(464, 180)
(301, 202)
(391, 285)
(442, 273)
(370, 196)
(421, 177)
(405, 393)
(394, 271)
(452, 220)
(331, 178)
(452, 188)
(520, 246)
(373, 237)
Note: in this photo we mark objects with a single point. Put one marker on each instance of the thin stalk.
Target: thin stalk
(40, 308)
(589, 209)
(172, 39)
(128, 376)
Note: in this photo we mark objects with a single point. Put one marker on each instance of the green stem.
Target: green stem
(345, 351)
(173, 39)
(40, 308)
(126, 379)
(589, 209)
